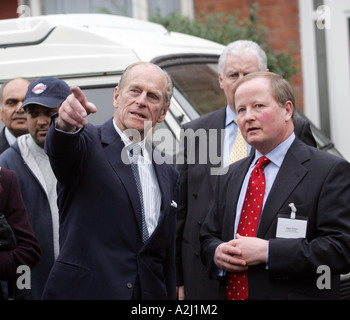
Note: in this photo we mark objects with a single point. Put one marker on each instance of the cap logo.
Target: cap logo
(39, 88)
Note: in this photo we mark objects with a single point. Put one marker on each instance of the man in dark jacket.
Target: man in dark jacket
(37, 181)
(197, 178)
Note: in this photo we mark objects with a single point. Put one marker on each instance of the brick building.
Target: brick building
(281, 18)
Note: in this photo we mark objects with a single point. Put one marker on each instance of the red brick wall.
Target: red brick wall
(281, 18)
(8, 9)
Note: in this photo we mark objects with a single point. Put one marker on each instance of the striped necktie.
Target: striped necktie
(134, 155)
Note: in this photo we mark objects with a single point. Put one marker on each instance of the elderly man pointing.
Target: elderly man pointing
(118, 219)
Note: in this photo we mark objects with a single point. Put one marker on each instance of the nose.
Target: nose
(141, 99)
(43, 120)
(240, 76)
(247, 116)
(18, 110)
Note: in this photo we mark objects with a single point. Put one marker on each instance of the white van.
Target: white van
(92, 50)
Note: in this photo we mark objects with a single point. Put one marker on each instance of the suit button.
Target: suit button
(129, 285)
(194, 196)
(199, 223)
(196, 254)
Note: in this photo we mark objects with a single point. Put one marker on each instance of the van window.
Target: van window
(199, 84)
(102, 97)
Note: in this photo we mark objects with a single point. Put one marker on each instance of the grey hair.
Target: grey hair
(170, 86)
(240, 47)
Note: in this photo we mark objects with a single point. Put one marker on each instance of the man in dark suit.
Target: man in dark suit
(198, 169)
(116, 241)
(15, 120)
(303, 221)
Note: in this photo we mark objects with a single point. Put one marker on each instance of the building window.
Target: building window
(162, 7)
(119, 7)
(142, 9)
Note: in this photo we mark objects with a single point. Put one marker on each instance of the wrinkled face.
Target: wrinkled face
(12, 98)
(263, 121)
(141, 99)
(38, 119)
(236, 67)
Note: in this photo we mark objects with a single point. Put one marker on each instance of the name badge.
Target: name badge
(289, 227)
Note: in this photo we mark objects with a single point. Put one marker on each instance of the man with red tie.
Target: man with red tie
(281, 213)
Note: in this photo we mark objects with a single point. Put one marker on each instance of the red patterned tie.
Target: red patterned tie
(237, 287)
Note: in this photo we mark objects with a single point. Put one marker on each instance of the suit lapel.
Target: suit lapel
(115, 154)
(162, 177)
(215, 140)
(234, 185)
(289, 176)
(3, 141)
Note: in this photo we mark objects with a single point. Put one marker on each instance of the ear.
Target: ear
(163, 113)
(289, 110)
(220, 80)
(116, 97)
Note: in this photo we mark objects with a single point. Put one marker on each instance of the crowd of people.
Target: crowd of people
(95, 214)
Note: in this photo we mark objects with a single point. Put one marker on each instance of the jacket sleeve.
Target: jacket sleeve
(330, 241)
(211, 232)
(27, 252)
(66, 152)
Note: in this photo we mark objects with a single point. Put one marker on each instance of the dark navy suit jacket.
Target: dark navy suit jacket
(196, 194)
(318, 183)
(101, 250)
(3, 141)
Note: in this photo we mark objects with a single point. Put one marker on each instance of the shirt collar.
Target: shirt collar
(9, 136)
(145, 152)
(230, 116)
(277, 155)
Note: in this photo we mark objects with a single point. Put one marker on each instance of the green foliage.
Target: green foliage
(225, 28)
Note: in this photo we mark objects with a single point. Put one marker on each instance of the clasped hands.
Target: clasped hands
(238, 254)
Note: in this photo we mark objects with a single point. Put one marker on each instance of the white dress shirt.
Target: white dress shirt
(9, 136)
(276, 156)
(152, 196)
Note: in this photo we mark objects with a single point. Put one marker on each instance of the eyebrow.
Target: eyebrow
(11, 100)
(156, 92)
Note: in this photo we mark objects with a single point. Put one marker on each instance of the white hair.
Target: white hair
(240, 47)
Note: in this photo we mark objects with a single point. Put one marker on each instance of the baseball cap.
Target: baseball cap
(47, 91)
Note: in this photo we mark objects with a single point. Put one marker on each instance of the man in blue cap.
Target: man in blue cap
(37, 181)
